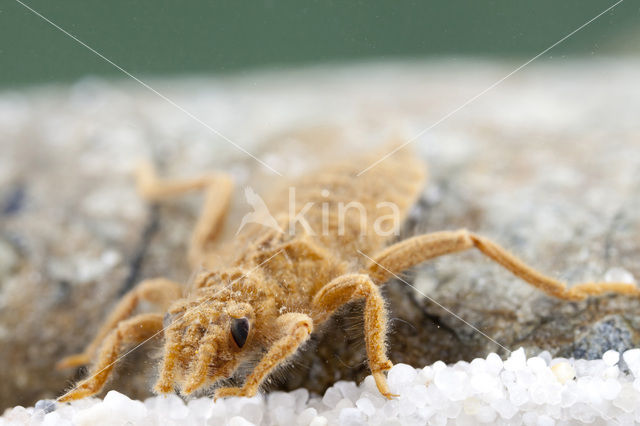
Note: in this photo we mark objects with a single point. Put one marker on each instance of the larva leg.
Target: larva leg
(296, 330)
(351, 287)
(132, 331)
(159, 291)
(172, 354)
(408, 253)
(218, 188)
(199, 371)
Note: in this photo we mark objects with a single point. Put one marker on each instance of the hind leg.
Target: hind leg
(136, 330)
(218, 188)
(405, 254)
(159, 291)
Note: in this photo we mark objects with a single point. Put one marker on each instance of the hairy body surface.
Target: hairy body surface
(259, 296)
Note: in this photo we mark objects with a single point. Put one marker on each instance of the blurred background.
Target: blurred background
(173, 37)
(547, 162)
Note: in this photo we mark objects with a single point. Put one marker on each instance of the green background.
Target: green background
(174, 37)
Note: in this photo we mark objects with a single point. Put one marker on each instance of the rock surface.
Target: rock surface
(547, 164)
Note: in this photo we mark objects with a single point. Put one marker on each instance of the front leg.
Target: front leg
(351, 287)
(138, 330)
(159, 291)
(296, 329)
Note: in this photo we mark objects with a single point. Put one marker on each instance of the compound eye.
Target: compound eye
(240, 330)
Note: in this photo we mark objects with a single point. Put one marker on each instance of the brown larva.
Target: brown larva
(276, 286)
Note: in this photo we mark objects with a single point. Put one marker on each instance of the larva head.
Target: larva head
(205, 342)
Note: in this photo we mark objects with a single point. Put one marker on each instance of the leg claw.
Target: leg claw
(390, 395)
(78, 393)
(381, 383)
(229, 391)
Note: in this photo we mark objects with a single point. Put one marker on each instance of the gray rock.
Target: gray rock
(608, 333)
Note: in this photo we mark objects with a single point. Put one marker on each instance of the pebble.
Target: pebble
(563, 371)
(619, 275)
(611, 357)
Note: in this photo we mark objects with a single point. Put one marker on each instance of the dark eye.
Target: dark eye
(240, 330)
